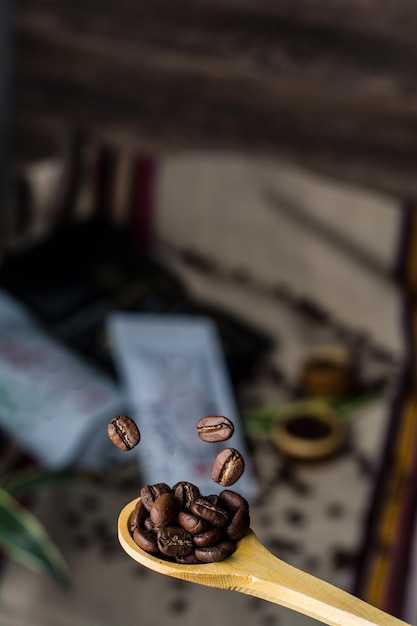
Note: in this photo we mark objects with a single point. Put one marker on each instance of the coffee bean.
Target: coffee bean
(149, 525)
(232, 501)
(238, 526)
(164, 510)
(227, 546)
(210, 512)
(145, 540)
(208, 538)
(177, 522)
(151, 492)
(214, 554)
(186, 493)
(209, 555)
(174, 541)
(215, 428)
(213, 498)
(182, 525)
(189, 559)
(123, 432)
(138, 516)
(191, 523)
(228, 467)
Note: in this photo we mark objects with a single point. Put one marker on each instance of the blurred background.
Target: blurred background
(248, 164)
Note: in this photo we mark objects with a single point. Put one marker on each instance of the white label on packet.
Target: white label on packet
(175, 374)
(51, 401)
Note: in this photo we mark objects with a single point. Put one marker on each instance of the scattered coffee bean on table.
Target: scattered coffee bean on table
(123, 432)
(215, 428)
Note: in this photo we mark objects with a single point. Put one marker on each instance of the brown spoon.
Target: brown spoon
(255, 571)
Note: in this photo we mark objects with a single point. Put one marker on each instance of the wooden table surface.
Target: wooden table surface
(329, 85)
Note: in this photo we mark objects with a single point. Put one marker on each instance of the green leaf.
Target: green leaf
(27, 480)
(259, 421)
(24, 539)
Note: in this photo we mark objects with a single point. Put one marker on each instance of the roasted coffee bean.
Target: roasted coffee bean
(190, 559)
(123, 432)
(164, 510)
(232, 501)
(149, 525)
(176, 523)
(238, 526)
(208, 538)
(213, 499)
(138, 516)
(210, 512)
(227, 546)
(214, 428)
(186, 494)
(151, 492)
(214, 554)
(191, 523)
(145, 540)
(228, 467)
(175, 541)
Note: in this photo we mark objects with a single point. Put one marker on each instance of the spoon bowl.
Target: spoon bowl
(253, 570)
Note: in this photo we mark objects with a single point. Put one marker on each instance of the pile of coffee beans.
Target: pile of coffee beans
(178, 523)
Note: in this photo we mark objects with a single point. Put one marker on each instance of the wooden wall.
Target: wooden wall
(330, 84)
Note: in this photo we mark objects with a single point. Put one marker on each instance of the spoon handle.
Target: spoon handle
(274, 580)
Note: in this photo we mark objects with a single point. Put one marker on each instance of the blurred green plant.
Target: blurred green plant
(22, 536)
(259, 421)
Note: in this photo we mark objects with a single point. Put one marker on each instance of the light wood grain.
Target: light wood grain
(255, 571)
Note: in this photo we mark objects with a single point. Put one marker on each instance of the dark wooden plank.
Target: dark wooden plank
(331, 85)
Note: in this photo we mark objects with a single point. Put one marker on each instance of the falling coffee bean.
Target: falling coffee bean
(228, 467)
(123, 432)
(214, 428)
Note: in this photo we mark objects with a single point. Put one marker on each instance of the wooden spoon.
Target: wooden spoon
(255, 571)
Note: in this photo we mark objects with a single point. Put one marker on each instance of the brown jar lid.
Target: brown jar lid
(327, 372)
(310, 435)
